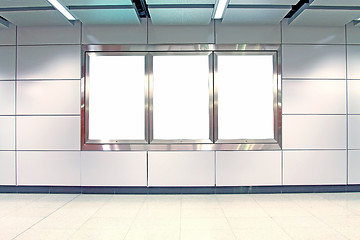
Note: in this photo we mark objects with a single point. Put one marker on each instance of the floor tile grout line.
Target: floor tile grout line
(307, 202)
(272, 218)
(227, 219)
(352, 210)
(332, 228)
(181, 213)
(45, 217)
(136, 215)
(323, 222)
(90, 216)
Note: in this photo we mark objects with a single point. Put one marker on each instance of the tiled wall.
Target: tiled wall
(40, 71)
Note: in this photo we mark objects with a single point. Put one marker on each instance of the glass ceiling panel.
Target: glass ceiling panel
(107, 16)
(36, 18)
(319, 17)
(23, 3)
(180, 16)
(96, 2)
(254, 16)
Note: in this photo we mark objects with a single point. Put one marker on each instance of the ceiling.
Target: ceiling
(180, 12)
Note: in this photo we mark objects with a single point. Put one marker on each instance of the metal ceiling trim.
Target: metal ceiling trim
(100, 7)
(259, 6)
(181, 6)
(23, 9)
(298, 12)
(335, 7)
(142, 9)
(4, 22)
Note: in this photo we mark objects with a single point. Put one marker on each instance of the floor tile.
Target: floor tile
(98, 234)
(9, 234)
(268, 234)
(207, 234)
(204, 223)
(202, 213)
(156, 233)
(287, 212)
(96, 223)
(174, 217)
(50, 234)
(310, 233)
(252, 223)
(244, 212)
(299, 222)
(159, 212)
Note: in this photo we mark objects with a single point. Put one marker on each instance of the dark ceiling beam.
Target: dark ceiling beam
(141, 8)
(4, 22)
(298, 8)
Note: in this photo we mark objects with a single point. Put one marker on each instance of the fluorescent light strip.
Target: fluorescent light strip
(220, 8)
(64, 11)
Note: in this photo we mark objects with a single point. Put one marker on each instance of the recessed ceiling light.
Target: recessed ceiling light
(220, 7)
(63, 10)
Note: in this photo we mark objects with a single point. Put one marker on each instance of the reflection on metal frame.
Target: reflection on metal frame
(181, 145)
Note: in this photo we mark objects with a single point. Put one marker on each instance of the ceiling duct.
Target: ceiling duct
(4, 22)
(297, 8)
(141, 8)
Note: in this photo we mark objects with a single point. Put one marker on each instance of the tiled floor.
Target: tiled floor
(271, 216)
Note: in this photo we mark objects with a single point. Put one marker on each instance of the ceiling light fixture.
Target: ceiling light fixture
(62, 9)
(219, 9)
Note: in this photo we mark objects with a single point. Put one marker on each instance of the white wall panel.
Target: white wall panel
(233, 34)
(7, 63)
(353, 62)
(7, 168)
(314, 167)
(312, 35)
(49, 35)
(314, 61)
(48, 168)
(48, 97)
(113, 168)
(353, 97)
(7, 133)
(353, 34)
(314, 97)
(354, 166)
(8, 35)
(131, 34)
(181, 169)
(52, 62)
(314, 132)
(7, 97)
(161, 34)
(246, 168)
(48, 133)
(354, 132)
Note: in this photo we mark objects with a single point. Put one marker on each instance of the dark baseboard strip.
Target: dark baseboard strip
(180, 190)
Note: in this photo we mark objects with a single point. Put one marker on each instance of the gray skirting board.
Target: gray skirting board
(180, 190)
